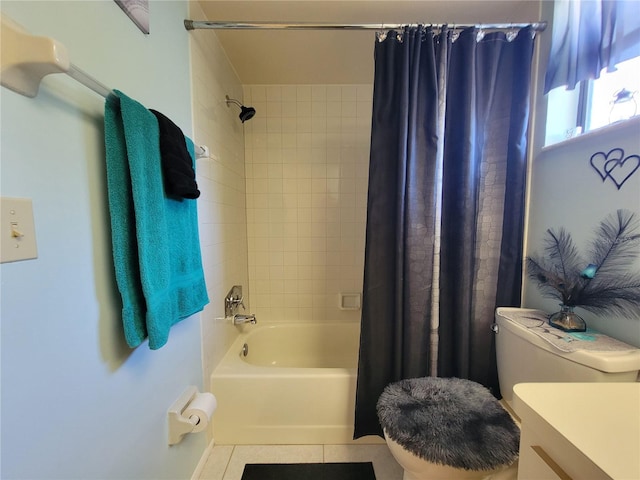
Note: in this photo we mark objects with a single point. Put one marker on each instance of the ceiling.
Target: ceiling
(337, 56)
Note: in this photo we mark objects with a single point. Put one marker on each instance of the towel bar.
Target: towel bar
(26, 59)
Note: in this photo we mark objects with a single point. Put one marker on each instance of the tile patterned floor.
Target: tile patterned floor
(226, 462)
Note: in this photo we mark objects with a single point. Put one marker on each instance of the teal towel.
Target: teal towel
(155, 238)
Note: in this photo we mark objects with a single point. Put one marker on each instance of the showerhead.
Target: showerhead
(246, 113)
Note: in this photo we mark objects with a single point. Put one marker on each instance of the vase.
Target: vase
(566, 319)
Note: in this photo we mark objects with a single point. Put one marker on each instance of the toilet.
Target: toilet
(527, 350)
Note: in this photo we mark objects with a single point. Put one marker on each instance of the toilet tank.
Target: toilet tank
(523, 356)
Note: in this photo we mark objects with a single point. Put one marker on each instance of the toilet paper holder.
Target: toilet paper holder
(183, 420)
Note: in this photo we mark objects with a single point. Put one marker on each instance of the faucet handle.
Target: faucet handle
(236, 302)
(239, 302)
(232, 300)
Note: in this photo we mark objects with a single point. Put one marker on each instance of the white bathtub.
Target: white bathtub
(295, 386)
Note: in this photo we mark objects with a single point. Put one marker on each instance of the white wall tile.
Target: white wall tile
(307, 199)
(227, 195)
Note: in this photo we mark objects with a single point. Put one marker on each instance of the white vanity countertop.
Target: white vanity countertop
(601, 420)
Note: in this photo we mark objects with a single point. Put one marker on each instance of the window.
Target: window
(612, 98)
(586, 36)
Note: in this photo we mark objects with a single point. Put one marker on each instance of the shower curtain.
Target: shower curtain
(445, 208)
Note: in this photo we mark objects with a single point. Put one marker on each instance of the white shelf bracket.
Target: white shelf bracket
(26, 59)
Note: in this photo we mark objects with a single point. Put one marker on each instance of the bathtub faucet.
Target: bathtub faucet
(239, 319)
(233, 300)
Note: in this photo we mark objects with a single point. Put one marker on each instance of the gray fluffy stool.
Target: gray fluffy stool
(449, 421)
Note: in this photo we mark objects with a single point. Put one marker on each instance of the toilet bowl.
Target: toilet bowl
(415, 468)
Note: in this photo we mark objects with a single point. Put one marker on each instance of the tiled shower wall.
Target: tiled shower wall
(306, 159)
(221, 179)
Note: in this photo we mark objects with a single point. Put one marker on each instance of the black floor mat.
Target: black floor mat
(309, 471)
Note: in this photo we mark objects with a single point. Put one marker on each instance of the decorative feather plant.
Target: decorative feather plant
(604, 283)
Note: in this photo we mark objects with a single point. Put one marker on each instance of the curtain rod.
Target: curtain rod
(193, 25)
(33, 58)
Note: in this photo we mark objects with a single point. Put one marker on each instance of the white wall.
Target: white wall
(567, 192)
(307, 154)
(221, 179)
(77, 403)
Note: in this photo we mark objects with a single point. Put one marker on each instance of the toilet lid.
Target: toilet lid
(450, 421)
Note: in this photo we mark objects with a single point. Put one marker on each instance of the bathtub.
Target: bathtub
(296, 385)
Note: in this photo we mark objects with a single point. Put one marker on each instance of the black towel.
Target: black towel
(177, 167)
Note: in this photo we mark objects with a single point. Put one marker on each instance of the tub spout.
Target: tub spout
(239, 319)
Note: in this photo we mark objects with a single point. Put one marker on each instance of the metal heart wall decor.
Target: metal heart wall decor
(615, 166)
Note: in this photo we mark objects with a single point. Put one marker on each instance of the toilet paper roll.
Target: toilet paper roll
(200, 410)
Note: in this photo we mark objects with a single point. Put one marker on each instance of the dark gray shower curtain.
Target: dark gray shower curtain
(459, 168)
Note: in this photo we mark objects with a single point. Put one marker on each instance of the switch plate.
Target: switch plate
(17, 230)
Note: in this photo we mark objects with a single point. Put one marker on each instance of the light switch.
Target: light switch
(17, 230)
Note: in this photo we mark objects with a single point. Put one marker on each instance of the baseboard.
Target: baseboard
(203, 460)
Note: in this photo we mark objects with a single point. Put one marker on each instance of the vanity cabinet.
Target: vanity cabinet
(578, 431)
